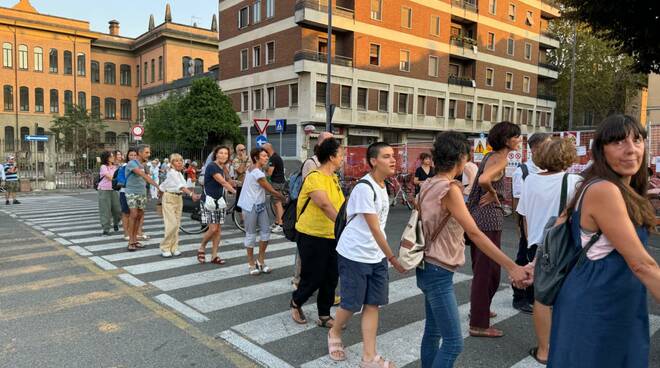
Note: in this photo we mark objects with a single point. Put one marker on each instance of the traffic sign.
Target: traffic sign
(261, 125)
(482, 135)
(280, 125)
(137, 131)
(36, 138)
(261, 140)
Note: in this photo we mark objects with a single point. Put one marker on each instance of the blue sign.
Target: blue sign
(37, 138)
(280, 125)
(482, 136)
(261, 140)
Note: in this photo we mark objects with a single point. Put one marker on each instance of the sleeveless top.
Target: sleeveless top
(447, 250)
(491, 216)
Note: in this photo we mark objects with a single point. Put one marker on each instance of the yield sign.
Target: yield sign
(260, 125)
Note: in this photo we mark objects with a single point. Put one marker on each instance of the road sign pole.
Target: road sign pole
(280, 151)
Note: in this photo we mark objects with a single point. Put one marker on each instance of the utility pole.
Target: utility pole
(572, 90)
(328, 106)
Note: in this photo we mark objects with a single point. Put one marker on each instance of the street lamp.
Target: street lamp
(329, 110)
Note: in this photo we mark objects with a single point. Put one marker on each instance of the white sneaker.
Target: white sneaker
(176, 253)
(126, 238)
(167, 254)
(276, 229)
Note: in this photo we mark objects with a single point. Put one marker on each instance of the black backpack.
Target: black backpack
(342, 221)
(290, 216)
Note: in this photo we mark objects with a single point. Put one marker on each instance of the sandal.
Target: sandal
(131, 248)
(485, 332)
(336, 349)
(326, 322)
(377, 362)
(218, 260)
(143, 237)
(300, 318)
(533, 352)
(139, 245)
(492, 314)
(201, 256)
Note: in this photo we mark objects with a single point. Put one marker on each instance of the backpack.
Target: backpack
(97, 180)
(342, 221)
(559, 252)
(296, 181)
(290, 216)
(118, 179)
(525, 171)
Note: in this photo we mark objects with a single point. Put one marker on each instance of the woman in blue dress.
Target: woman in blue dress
(600, 318)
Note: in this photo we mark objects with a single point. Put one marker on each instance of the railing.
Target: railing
(470, 5)
(322, 6)
(544, 96)
(461, 81)
(550, 35)
(462, 41)
(322, 57)
(549, 66)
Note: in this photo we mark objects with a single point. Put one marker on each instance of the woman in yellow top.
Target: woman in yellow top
(319, 200)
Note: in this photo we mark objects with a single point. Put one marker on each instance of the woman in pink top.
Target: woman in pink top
(109, 207)
(444, 216)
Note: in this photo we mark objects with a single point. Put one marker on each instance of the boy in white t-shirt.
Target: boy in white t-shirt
(363, 253)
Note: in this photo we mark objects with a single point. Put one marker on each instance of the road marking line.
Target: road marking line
(131, 280)
(123, 243)
(234, 297)
(253, 351)
(94, 224)
(48, 233)
(80, 250)
(181, 308)
(54, 214)
(103, 263)
(83, 219)
(63, 241)
(53, 283)
(75, 301)
(31, 256)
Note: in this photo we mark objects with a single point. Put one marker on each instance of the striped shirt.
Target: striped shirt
(9, 175)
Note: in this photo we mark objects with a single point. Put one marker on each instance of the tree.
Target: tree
(199, 118)
(631, 25)
(605, 78)
(78, 130)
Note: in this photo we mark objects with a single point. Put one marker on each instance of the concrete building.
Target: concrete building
(402, 69)
(50, 62)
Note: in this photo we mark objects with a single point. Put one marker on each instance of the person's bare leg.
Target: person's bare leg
(369, 331)
(542, 324)
(215, 245)
(133, 224)
(342, 316)
(124, 223)
(208, 235)
(279, 211)
(250, 256)
(140, 227)
(262, 252)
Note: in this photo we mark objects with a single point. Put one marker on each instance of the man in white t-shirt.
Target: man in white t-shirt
(363, 253)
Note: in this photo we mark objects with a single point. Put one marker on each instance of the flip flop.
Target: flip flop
(335, 346)
(486, 332)
(533, 353)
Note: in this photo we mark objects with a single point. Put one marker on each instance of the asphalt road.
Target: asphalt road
(69, 297)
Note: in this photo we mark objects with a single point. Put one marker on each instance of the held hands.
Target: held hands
(395, 263)
(489, 198)
(521, 277)
(195, 197)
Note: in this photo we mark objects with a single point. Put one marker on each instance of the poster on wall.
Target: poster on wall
(481, 149)
(573, 136)
(514, 158)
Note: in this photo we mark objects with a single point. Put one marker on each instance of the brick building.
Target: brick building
(50, 62)
(402, 69)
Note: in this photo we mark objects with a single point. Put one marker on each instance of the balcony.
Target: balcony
(462, 81)
(549, 9)
(464, 10)
(321, 57)
(463, 47)
(548, 71)
(548, 40)
(545, 96)
(315, 13)
(549, 66)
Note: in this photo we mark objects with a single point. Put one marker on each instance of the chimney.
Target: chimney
(114, 27)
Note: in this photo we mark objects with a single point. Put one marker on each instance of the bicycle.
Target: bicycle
(396, 189)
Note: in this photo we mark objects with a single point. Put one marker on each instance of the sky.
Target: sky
(133, 15)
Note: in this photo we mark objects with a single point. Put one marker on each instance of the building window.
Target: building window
(38, 59)
(68, 101)
(244, 101)
(82, 100)
(95, 73)
(512, 12)
(530, 115)
(125, 75)
(528, 51)
(345, 97)
(383, 96)
(529, 19)
(435, 25)
(22, 57)
(374, 54)
(153, 70)
(480, 112)
(54, 101)
(433, 66)
(454, 70)
(403, 103)
(404, 60)
(160, 68)
(510, 46)
(377, 9)
(452, 109)
(270, 52)
(52, 61)
(492, 6)
(8, 96)
(146, 72)
(538, 118)
(293, 94)
(256, 12)
(256, 56)
(406, 17)
(468, 110)
(519, 116)
(507, 114)
(110, 108)
(96, 106)
(25, 145)
(199, 66)
(24, 98)
(137, 75)
(362, 98)
(490, 73)
(243, 17)
(244, 59)
(491, 41)
(125, 107)
(186, 66)
(39, 100)
(508, 84)
(421, 105)
(257, 100)
(7, 55)
(81, 64)
(270, 91)
(9, 139)
(68, 63)
(320, 93)
(526, 84)
(270, 8)
(109, 73)
(493, 112)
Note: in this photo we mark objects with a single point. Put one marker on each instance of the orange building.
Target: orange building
(50, 62)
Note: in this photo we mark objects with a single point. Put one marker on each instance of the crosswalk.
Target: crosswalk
(249, 313)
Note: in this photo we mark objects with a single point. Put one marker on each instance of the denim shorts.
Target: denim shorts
(124, 205)
(362, 283)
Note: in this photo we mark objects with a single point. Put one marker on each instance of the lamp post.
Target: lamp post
(328, 105)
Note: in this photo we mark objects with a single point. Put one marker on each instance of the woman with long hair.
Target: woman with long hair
(600, 318)
(215, 183)
(109, 208)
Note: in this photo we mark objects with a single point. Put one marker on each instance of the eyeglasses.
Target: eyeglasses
(241, 149)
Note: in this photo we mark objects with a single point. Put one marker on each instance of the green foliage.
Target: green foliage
(202, 117)
(77, 129)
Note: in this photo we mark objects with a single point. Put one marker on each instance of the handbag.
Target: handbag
(413, 244)
(212, 204)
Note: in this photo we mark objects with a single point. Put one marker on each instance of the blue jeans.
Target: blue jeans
(442, 321)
